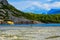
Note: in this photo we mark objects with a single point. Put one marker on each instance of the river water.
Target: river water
(36, 25)
(30, 32)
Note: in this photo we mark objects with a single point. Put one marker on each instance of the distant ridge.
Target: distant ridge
(54, 11)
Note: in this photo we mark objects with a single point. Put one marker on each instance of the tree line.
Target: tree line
(45, 18)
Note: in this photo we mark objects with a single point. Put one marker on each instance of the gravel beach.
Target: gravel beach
(29, 33)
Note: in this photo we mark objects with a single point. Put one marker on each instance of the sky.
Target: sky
(35, 5)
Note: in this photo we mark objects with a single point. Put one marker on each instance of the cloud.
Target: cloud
(47, 6)
(55, 5)
(22, 5)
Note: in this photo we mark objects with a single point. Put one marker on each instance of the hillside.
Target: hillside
(8, 14)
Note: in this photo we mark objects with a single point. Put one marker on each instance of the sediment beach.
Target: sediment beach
(29, 33)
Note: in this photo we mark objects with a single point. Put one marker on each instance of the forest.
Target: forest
(44, 18)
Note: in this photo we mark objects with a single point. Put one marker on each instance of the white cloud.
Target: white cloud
(55, 5)
(46, 6)
(26, 4)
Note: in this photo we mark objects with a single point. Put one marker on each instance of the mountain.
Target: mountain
(4, 2)
(35, 9)
(54, 11)
(10, 13)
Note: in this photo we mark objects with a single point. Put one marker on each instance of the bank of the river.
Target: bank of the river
(29, 33)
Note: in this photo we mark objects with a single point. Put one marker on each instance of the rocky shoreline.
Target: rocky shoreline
(29, 33)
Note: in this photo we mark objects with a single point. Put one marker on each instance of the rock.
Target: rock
(7, 14)
(4, 2)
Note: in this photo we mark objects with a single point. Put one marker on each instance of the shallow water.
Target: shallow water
(35, 25)
(29, 33)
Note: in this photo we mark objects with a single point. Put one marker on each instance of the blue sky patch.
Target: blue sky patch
(33, 5)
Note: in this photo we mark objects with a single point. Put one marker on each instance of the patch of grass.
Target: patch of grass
(52, 37)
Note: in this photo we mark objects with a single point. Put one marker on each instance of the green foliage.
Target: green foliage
(54, 18)
(45, 18)
(13, 9)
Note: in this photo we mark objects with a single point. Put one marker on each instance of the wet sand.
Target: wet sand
(29, 33)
